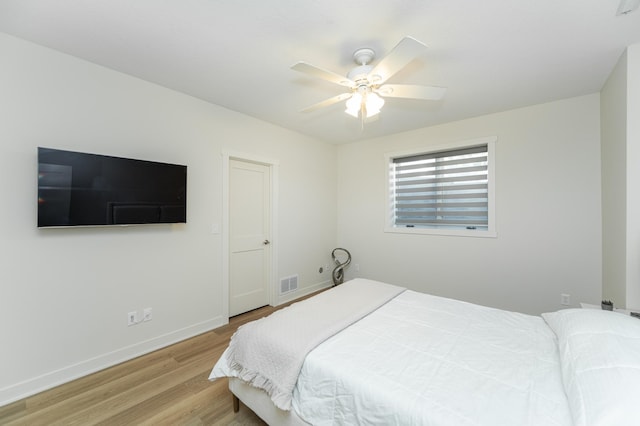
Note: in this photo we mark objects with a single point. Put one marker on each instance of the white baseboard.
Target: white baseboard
(55, 378)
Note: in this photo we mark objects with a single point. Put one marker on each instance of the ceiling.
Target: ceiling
(492, 55)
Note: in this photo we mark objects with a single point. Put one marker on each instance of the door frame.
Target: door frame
(273, 166)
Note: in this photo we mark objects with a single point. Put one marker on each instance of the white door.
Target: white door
(249, 234)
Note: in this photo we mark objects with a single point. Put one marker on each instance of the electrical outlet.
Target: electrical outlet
(147, 314)
(565, 299)
(132, 318)
(357, 267)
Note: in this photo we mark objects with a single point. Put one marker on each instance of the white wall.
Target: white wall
(65, 292)
(547, 202)
(633, 179)
(620, 181)
(613, 112)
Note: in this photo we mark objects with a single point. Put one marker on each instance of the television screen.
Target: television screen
(79, 189)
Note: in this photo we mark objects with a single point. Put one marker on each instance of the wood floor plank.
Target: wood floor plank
(87, 395)
(135, 396)
(92, 381)
(13, 411)
(195, 406)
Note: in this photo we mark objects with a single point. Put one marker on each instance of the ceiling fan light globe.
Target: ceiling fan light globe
(353, 104)
(374, 104)
(352, 112)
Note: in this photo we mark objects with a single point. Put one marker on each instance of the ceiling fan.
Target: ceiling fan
(367, 84)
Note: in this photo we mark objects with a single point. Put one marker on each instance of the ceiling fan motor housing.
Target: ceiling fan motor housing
(362, 57)
(360, 73)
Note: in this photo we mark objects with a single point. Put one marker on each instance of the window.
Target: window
(443, 191)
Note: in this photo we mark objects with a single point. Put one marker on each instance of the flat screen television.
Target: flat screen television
(80, 189)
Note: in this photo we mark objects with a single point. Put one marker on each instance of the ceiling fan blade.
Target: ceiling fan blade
(411, 91)
(404, 52)
(323, 74)
(327, 102)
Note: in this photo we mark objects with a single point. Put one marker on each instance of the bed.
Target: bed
(367, 352)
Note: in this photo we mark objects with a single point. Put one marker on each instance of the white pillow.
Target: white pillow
(600, 359)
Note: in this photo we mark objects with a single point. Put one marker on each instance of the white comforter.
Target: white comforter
(268, 353)
(425, 360)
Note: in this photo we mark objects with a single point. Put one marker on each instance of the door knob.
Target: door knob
(266, 242)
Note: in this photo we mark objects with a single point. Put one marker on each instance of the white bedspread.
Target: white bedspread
(425, 360)
(268, 353)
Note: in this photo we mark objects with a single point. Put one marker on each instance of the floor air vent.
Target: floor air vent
(288, 284)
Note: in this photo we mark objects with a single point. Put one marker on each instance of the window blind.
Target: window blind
(446, 189)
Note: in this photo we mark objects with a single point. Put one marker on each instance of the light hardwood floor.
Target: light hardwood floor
(166, 387)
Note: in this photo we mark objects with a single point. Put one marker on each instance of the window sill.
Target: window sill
(444, 232)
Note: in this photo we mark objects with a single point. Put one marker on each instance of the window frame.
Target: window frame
(490, 232)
